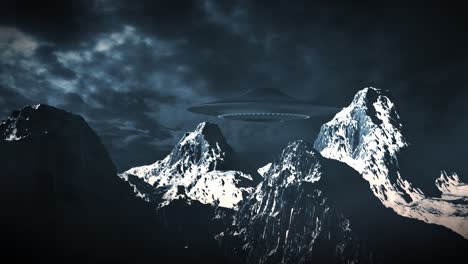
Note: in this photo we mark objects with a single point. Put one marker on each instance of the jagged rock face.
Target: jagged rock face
(20, 125)
(199, 168)
(290, 219)
(367, 135)
(309, 209)
(60, 197)
(57, 149)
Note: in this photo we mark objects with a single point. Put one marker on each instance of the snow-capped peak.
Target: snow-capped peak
(289, 215)
(367, 136)
(198, 168)
(298, 162)
(363, 129)
(205, 147)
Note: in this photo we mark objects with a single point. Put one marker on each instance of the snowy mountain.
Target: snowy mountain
(59, 184)
(367, 135)
(199, 168)
(291, 218)
(309, 209)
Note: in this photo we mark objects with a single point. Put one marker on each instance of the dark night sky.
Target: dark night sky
(132, 67)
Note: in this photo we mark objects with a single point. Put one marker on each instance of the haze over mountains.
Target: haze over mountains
(341, 199)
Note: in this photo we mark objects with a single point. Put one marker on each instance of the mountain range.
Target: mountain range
(340, 199)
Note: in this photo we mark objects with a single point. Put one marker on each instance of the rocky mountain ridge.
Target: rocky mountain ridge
(199, 168)
(367, 135)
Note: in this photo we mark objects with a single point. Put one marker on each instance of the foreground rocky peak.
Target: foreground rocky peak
(49, 131)
(297, 162)
(289, 218)
(309, 209)
(200, 167)
(367, 135)
(60, 196)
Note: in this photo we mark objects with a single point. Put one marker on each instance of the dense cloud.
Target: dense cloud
(132, 68)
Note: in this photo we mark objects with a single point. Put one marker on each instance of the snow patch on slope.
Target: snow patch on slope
(13, 128)
(219, 187)
(12, 136)
(451, 186)
(264, 169)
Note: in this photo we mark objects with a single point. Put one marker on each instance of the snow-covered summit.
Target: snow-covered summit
(367, 135)
(362, 130)
(199, 168)
(297, 163)
(289, 217)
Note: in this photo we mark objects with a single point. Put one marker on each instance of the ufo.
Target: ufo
(263, 105)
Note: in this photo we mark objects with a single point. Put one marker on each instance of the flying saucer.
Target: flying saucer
(262, 105)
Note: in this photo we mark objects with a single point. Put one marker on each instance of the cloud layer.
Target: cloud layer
(131, 69)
